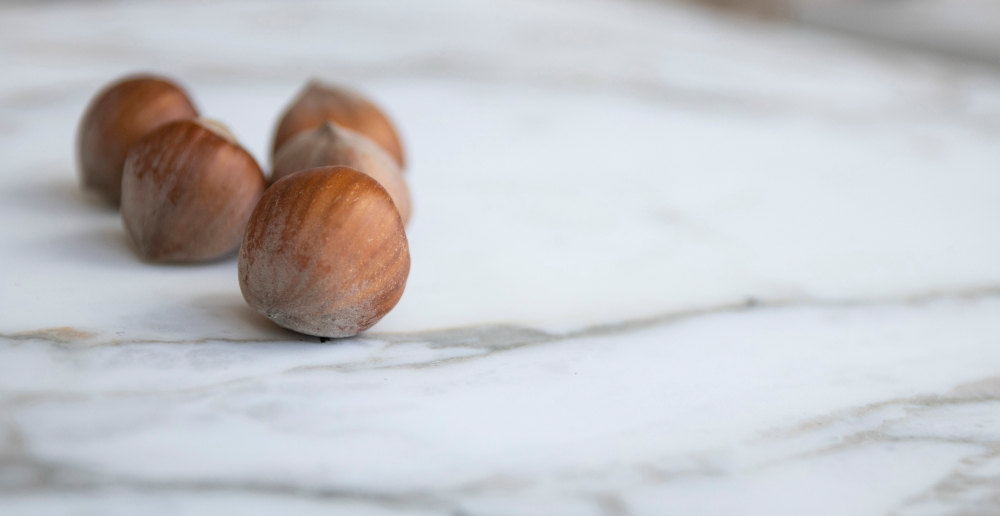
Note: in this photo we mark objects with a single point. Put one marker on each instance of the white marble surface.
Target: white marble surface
(969, 29)
(664, 262)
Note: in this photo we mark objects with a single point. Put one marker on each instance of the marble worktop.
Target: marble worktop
(664, 261)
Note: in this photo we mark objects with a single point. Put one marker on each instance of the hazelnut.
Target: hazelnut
(187, 191)
(325, 253)
(117, 117)
(330, 144)
(320, 103)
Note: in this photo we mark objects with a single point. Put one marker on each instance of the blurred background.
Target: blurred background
(968, 29)
(719, 118)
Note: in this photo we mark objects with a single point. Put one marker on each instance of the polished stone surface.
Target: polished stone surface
(664, 261)
(968, 29)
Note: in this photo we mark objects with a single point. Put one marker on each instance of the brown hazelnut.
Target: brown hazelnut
(117, 117)
(318, 103)
(325, 253)
(330, 144)
(187, 191)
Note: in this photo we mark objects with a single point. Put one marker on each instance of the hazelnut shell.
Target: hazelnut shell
(187, 191)
(319, 103)
(119, 116)
(330, 144)
(325, 253)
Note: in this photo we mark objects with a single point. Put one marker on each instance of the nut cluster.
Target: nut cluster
(322, 244)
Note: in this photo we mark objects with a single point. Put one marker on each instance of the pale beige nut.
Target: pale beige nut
(330, 144)
(319, 103)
